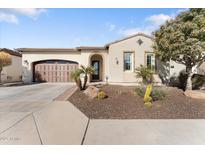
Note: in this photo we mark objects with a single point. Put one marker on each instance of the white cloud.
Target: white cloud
(9, 18)
(111, 27)
(182, 10)
(10, 15)
(152, 23)
(30, 12)
(158, 19)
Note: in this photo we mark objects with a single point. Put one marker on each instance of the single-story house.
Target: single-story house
(114, 62)
(13, 72)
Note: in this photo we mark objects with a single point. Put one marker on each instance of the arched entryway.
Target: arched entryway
(53, 70)
(96, 61)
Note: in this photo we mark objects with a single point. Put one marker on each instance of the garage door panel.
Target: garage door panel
(54, 72)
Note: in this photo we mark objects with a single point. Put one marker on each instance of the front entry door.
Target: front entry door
(96, 66)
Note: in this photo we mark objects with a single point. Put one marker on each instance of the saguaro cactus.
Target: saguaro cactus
(147, 97)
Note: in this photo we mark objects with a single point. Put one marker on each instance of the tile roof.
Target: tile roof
(131, 36)
(11, 52)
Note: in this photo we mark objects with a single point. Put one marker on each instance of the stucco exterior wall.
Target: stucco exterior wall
(116, 71)
(201, 69)
(12, 72)
(82, 58)
(86, 56)
(176, 68)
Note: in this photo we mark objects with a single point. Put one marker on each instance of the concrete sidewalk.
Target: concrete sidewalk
(60, 122)
(145, 132)
(57, 123)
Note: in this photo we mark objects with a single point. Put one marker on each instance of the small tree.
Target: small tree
(76, 76)
(86, 71)
(145, 73)
(81, 71)
(5, 60)
(183, 40)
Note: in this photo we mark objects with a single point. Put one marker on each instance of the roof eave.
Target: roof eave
(120, 40)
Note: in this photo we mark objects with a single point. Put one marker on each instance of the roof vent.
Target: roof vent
(139, 41)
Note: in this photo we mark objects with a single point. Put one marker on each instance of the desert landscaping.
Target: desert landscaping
(123, 103)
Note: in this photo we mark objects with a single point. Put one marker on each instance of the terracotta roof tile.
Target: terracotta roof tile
(11, 52)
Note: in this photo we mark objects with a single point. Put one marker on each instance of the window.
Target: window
(150, 61)
(128, 61)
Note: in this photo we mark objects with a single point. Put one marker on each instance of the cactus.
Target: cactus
(147, 97)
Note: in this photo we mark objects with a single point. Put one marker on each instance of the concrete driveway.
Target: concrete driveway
(34, 92)
(30, 97)
(29, 115)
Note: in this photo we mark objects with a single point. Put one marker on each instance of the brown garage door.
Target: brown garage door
(54, 71)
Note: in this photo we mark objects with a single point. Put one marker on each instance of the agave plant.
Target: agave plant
(145, 73)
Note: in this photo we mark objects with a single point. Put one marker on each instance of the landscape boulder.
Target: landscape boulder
(195, 94)
(91, 92)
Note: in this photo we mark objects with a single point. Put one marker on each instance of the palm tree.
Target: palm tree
(86, 71)
(145, 73)
(76, 76)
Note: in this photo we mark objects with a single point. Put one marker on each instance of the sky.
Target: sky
(69, 28)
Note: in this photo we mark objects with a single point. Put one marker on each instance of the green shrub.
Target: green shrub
(140, 91)
(198, 81)
(145, 73)
(102, 95)
(157, 93)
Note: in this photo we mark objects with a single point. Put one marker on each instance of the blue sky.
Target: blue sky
(66, 28)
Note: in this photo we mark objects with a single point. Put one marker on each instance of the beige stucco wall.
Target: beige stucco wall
(85, 59)
(12, 72)
(82, 58)
(116, 71)
(180, 67)
(176, 68)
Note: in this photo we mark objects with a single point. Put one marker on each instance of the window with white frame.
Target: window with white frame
(150, 61)
(128, 61)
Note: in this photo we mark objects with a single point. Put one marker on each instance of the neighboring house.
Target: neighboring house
(13, 72)
(114, 62)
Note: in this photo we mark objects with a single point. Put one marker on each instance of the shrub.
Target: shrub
(198, 81)
(140, 91)
(145, 73)
(157, 93)
(102, 95)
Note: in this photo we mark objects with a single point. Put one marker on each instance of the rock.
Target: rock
(194, 94)
(91, 92)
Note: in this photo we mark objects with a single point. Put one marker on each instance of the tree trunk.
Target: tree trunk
(189, 82)
(78, 83)
(0, 75)
(190, 72)
(85, 81)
